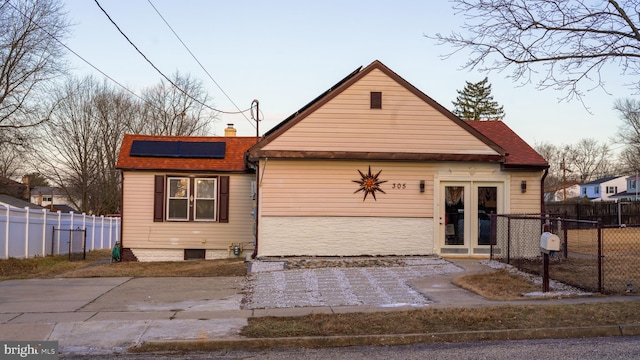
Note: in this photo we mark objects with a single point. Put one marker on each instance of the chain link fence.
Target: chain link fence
(591, 257)
(621, 259)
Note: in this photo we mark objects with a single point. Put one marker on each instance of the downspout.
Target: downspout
(259, 177)
(546, 172)
(255, 245)
(121, 210)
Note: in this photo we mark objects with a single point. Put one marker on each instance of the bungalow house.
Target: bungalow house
(373, 166)
(51, 197)
(603, 189)
(186, 197)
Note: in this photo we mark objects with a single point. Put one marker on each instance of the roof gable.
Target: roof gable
(233, 160)
(410, 125)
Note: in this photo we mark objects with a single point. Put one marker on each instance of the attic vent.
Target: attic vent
(376, 100)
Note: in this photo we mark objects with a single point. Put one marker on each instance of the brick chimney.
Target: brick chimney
(26, 192)
(230, 130)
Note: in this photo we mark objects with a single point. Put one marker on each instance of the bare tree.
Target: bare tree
(589, 160)
(11, 160)
(69, 142)
(629, 133)
(30, 56)
(553, 155)
(172, 111)
(116, 113)
(81, 142)
(572, 39)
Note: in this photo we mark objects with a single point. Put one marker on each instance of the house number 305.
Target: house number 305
(399, 186)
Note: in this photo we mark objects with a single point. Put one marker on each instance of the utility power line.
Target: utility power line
(156, 68)
(94, 66)
(199, 63)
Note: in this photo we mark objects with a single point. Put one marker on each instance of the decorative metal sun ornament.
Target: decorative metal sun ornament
(369, 184)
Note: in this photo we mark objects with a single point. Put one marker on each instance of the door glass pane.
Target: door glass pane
(454, 215)
(487, 205)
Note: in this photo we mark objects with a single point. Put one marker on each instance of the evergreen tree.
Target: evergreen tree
(475, 102)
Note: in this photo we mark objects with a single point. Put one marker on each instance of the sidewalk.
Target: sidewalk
(110, 315)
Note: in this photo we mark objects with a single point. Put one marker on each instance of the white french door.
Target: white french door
(464, 215)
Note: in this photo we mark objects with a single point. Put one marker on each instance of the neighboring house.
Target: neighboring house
(373, 166)
(632, 193)
(14, 188)
(570, 191)
(51, 197)
(62, 208)
(186, 197)
(11, 201)
(603, 189)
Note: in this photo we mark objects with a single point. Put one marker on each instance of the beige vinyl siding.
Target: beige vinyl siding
(140, 231)
(404, 124)
(326, 188)
(528, 202)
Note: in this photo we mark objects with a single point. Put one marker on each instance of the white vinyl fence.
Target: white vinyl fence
(26, 233)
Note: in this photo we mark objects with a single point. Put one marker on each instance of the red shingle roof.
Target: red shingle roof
(233, 161)
(519, 153)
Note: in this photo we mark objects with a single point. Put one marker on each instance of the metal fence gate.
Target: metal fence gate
(73, 239)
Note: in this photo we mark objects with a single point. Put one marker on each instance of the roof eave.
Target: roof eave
(525, 167)
(190, 170)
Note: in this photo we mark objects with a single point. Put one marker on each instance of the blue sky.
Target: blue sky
(285, 53)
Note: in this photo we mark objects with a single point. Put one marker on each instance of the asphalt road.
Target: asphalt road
(583, 349)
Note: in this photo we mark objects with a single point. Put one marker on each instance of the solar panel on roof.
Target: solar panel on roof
(178, 149)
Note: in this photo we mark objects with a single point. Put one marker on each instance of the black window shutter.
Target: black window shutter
(158, 198)
(223, 206)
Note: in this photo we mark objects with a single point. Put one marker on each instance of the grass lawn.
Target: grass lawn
(97, 264)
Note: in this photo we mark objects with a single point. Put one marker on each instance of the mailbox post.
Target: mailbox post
(548, 244)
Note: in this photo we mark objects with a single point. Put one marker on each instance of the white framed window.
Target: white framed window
(612, 189)
(191, 199)
(205, 199)
(596, 190)
(178, 198)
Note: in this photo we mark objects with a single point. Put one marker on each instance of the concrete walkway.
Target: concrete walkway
(110, 315)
